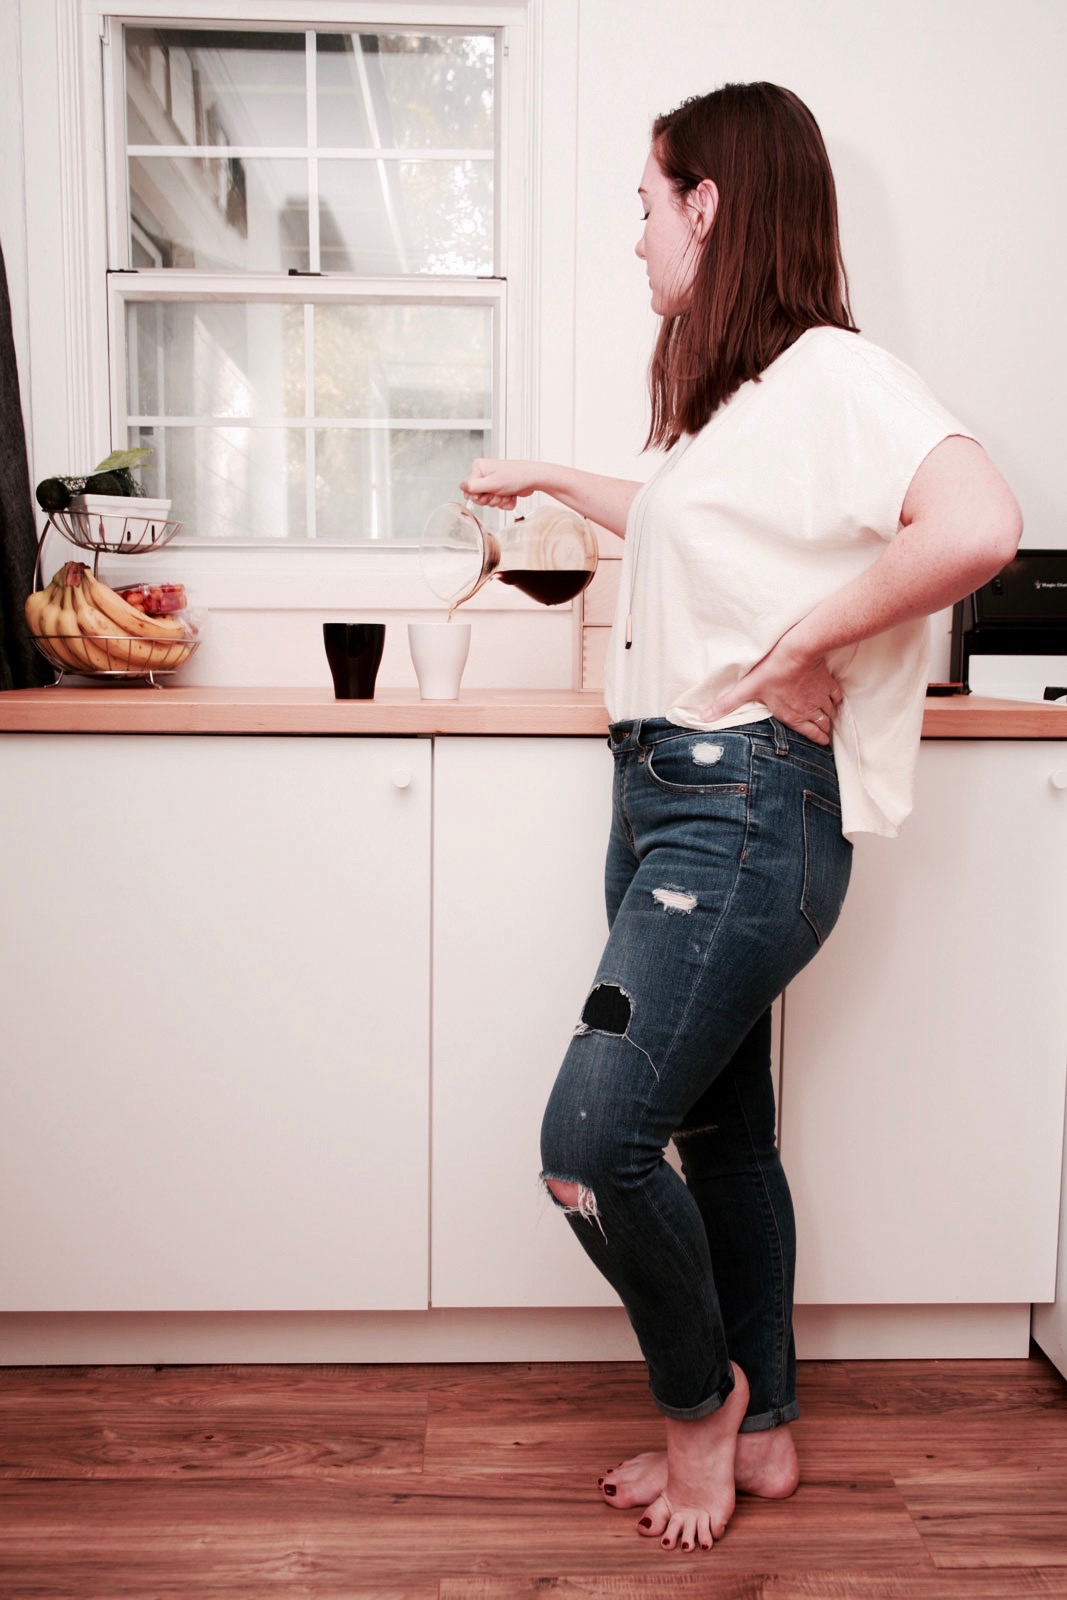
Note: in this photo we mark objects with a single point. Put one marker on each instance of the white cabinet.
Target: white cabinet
(924, 1048)
(216, 1019)
(218, 977)
(520, 830)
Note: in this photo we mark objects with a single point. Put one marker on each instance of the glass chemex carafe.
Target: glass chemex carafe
(550, 555)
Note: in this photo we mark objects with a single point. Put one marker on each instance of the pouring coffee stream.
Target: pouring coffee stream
(550, 556)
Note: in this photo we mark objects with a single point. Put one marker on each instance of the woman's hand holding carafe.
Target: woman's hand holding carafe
(502, 483)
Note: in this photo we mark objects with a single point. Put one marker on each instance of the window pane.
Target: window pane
(221, 214)
(397, 361)
(214, 359)
(230, 482)
(215, 87)
(406, 91)
(389, 218)
(376, 483)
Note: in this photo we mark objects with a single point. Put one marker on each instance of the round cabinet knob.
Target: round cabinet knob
(1058, 780)
(402, 778)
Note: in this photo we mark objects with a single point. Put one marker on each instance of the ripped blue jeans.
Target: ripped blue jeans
(726, 869)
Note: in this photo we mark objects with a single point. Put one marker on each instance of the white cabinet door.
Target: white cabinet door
(520, 831)
(923, 1054)
(215, 957)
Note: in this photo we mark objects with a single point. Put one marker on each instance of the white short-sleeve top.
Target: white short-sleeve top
(788, 492)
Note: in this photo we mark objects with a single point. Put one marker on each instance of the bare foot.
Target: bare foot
(637, 1481)
(765, 1464)
(698, 1501)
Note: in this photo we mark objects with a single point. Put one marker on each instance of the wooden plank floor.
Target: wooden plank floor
(922, 1481)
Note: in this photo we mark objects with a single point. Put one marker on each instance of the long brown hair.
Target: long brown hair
(771, 266)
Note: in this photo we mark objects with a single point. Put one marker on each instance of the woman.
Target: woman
(766, 683)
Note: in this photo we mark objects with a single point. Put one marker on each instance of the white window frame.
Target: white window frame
(68, 146)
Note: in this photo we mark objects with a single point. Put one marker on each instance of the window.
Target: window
(308, 301)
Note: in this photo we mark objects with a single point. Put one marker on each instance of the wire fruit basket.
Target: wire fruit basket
(117, 655)
(116, 524)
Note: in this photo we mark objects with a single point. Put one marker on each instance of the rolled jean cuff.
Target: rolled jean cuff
(704, 1409)
(771, 1419)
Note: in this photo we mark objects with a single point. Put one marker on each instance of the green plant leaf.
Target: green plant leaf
(123, 458)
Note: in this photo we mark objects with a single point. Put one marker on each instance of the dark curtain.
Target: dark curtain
(21, 664)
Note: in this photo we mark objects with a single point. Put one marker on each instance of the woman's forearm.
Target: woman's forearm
(604, 500)
(913, 577)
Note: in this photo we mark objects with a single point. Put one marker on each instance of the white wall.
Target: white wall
(945, 124)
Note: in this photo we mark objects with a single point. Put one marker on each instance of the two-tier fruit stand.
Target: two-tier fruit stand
(123, 526)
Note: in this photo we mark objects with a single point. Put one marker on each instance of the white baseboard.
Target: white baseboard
(823, 1333)
(927, 1333)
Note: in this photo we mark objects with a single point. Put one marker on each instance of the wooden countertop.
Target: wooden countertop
(140, 709)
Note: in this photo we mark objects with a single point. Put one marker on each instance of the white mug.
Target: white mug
(439, 651)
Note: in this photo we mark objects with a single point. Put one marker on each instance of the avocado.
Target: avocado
(53, 495)
(105, 483)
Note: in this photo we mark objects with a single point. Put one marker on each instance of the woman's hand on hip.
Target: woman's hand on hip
(500, 483)
(799, 690)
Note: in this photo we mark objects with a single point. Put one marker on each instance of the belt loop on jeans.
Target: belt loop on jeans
(781, 742)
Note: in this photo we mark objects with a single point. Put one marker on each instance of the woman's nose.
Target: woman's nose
(639, 248)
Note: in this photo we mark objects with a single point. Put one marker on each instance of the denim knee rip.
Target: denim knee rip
(584, 1204)
(609, 1009)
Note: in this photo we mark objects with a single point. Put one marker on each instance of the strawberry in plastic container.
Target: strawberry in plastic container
(155, 599)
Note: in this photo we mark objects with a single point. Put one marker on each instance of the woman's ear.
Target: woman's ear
(703, 203)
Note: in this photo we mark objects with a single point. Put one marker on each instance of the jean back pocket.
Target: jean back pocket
(827, 864)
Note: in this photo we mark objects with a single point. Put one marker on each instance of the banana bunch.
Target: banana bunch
(86, 627)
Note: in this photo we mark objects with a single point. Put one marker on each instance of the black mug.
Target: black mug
(354, 651)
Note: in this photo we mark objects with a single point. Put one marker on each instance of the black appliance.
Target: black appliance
(1020, 612)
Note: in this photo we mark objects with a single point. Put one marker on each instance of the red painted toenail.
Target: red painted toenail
(609, 1488)
(687, 1547)
(646, 1522)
